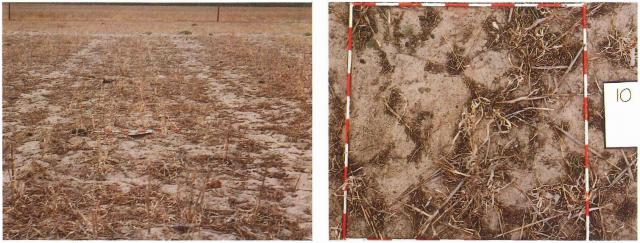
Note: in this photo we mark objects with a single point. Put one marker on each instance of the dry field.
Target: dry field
(127, 127)
(467, 123)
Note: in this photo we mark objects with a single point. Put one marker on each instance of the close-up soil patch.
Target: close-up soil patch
(477, 130)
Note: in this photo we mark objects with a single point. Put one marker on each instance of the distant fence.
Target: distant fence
(161, 12)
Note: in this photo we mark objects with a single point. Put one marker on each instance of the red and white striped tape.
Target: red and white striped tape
(347, 125)
(466, 5)
(585, 85)
(585, 69)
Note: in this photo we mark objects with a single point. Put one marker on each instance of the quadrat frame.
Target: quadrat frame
(585, 62)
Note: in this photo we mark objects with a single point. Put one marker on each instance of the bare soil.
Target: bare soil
(112, 134)
(467, 123)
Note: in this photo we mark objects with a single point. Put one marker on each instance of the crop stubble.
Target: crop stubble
(221, 162)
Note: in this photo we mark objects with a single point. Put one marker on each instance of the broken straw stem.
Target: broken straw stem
(426, 225)
(528, 225)
(575, 57)
(622, 171)
(592, 150)
(524, 98)
(550, 67)
(626, 160)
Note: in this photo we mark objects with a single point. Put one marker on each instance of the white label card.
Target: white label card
(622, 112)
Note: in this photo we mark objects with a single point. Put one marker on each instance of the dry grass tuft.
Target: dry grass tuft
(364, 27)
(456, 61)
(535, 46)
(619, 48)
(367, 202)
(428, 22)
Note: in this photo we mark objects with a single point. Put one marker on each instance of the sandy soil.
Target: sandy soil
(463, 129)
(615, 171)
(120, 135)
